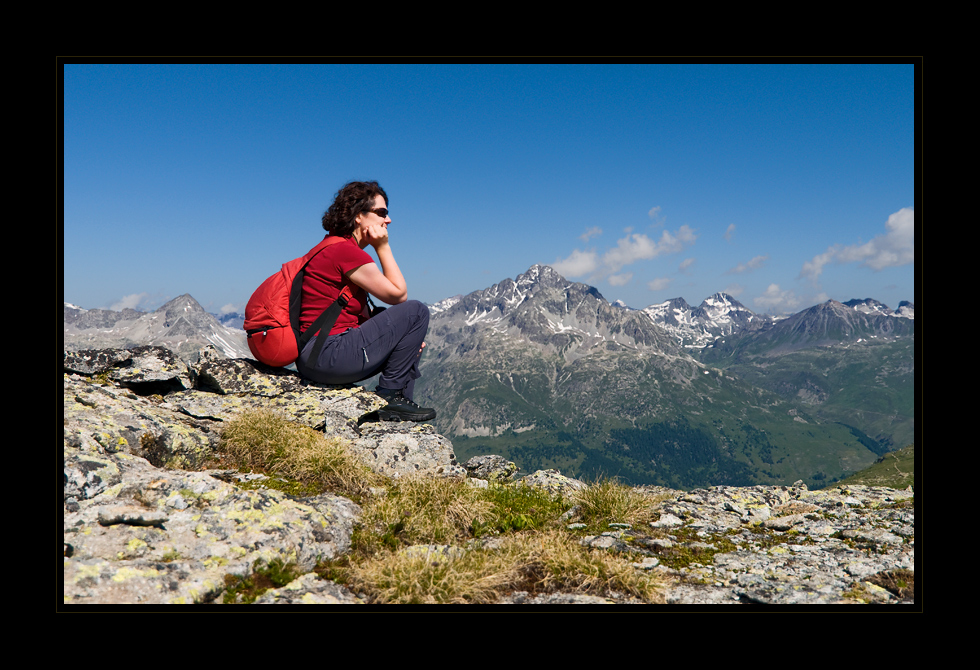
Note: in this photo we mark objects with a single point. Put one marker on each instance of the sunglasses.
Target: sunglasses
(380, 211)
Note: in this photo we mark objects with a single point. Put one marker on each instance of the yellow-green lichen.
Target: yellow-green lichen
(87, 572)
(215, 561)
(126, 572)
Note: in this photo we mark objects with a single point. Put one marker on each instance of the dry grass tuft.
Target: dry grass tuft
(556, 561)
(608, 501)
(405, 578)
(432, 511)
(268, 442)
(422, 510)
(538, 562)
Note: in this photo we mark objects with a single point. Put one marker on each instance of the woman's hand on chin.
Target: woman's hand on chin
(376, 235)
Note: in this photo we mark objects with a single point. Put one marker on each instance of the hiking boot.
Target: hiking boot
(400, 408)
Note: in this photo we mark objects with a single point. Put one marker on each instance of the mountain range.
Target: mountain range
(548, 373)
(181, 325)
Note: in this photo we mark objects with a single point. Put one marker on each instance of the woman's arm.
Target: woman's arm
(387, 284)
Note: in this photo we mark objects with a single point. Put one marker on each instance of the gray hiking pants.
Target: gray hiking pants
(388, 343)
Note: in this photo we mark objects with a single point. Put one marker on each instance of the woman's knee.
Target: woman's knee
(421, 309)
(417, 311)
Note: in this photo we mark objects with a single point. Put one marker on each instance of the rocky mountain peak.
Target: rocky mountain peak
(542, 307)
(832, 322)
(868, 306)
(722, 301)
(540, 274)
(182, 324)
(718, 315)
(182, 306)
(871, 306)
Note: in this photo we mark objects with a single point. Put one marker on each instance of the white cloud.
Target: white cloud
(685, 264)
(619, 280)
(896, 247)
(753, 264)
(628, 250)
(577, 264)
(730, 232)
(638, 247)
(130, 301)
(777, 300)
(659, 284)
(228, 309)
(654, 213)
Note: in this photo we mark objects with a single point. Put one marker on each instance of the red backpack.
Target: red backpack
(272, 313)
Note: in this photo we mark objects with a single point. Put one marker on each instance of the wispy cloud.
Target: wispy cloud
(894, 248)
(620, 280)
(628, 250)
(591, 232)
(130, 301)
(777, 300)
(753, 264)
(579, 263)
(730, 232)
(638, 247)
(659, 284)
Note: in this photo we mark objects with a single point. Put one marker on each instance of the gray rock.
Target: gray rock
(309, 590)
(490, 467)
(140, 528)
(394, 450)
(130, 545)
(553, 481)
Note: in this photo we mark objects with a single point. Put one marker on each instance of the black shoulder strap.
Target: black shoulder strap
(324, 323)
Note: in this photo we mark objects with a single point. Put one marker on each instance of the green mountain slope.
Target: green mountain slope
(644, 417)
(868, 386)
(895, 470)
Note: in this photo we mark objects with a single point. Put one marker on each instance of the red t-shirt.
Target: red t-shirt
(325, 279)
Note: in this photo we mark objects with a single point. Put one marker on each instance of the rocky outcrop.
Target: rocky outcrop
(782, 545)
(152, 516)
(141, 526)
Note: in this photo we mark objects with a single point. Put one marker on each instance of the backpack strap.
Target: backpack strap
(324, 323)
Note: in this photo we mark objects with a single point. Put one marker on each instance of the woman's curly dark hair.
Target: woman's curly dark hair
(354, 198)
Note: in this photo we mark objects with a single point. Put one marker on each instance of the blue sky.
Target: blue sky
(784, 185)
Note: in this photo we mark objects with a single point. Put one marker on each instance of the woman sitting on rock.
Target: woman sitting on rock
(360, 346)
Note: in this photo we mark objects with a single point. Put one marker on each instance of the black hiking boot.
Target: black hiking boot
(400, 408)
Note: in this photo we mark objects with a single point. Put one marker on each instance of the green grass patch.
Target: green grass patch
(517, 507)
(247, 588)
